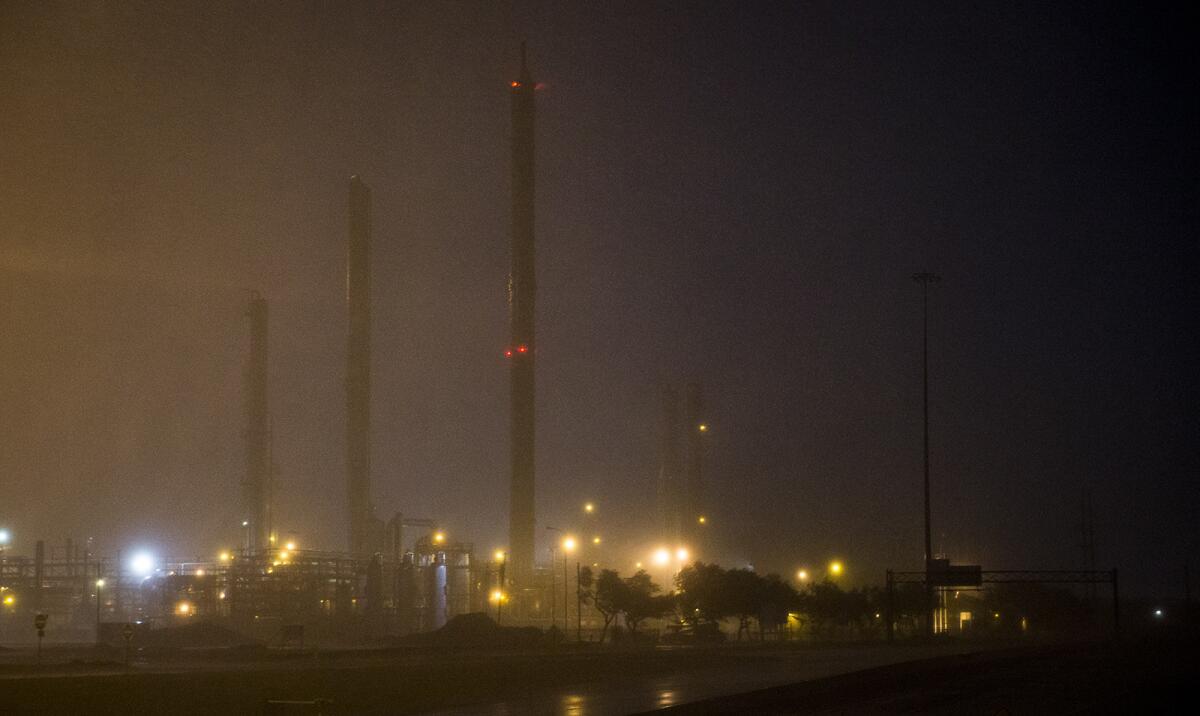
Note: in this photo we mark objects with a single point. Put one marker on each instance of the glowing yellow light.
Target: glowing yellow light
(497, 596)
(272, 539)
(568, 544)
(498, 555)
(703, 427)
(637, 565)
(183, 608)
(681, 554)
(439, 537)
(225, 556)
(99, 583)
(9, 599)
(802, 575)
(662, 556)
(221, 595)
(702, 520)
(835, 567)
(283, 554)
(291, 546)
(589, 508)
(199, 572)
(595, 540)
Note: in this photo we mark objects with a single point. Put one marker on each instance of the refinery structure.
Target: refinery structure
(393, 578)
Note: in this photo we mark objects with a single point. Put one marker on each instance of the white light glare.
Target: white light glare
(142, 564)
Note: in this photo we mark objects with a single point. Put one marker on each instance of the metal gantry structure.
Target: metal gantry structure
(254, 592)
(1008, 576)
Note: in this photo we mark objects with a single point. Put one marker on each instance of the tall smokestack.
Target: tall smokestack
(696, 429)
(363, 535)
(256, 488)
(670, 491)
(522, 290)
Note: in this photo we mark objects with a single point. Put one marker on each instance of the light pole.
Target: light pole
(501, 557)
(99, 586)
(925, 279)
(553, 581)
(568, 547)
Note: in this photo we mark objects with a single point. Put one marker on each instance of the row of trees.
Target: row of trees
(706, 595)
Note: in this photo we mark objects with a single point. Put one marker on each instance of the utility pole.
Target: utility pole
(925, 279)
(579, 604)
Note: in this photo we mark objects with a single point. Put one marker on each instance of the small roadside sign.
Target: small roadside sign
(127, 632)
(39, 622)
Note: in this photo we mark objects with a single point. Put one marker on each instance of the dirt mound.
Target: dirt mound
(477, 631)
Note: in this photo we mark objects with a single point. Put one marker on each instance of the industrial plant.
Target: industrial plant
(391, 579)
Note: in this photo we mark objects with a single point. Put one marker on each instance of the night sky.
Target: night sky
(736, 194)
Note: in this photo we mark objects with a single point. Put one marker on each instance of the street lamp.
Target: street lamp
(589, 507)
(802, 575)
(836, 568)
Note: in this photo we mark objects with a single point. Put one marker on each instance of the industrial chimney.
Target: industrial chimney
(670, 481)
(364, 532)
(522, 350)
(695, 426)
(256, 487)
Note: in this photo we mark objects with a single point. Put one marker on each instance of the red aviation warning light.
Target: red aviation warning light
(508, 352)
(515, 84)
(522, 348)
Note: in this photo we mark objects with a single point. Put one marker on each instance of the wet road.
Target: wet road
(636, 694)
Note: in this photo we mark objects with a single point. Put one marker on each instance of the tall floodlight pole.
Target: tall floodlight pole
(925, 279)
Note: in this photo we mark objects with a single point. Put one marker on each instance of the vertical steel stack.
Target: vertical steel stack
(358, 372)
(670, 492)
(256, 487)
(522, 291)
(695, 426)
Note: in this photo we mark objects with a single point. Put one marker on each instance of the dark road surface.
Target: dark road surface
(634, 692)
(1143, 678)
(761, 679)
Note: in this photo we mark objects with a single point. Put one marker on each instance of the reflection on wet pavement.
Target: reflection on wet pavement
(647, 693)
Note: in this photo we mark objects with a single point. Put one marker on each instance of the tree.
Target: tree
(608, 597)
(778, 600)
(743, 591)
(700, 594)
(640, 601)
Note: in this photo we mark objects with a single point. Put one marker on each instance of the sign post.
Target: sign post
(127, 632)
(39, 622)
